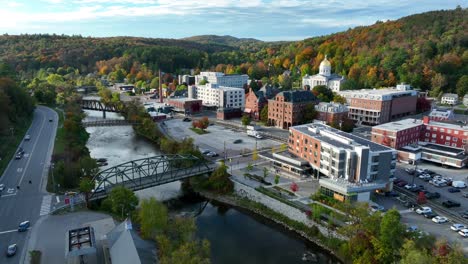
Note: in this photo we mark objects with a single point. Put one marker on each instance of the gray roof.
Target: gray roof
(357, 140)
(127, 247)
(298, 96)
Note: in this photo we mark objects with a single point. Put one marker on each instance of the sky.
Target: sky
(269, 20)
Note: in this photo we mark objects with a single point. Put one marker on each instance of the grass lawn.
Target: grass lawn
(199, 131)
(9, 143)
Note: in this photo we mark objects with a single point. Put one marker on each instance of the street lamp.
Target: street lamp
(53, 178)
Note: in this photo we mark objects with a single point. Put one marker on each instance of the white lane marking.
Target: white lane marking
(10, 190)
(58, 199)
(45, 206)
(10, 231)
(26, 155)
(7, 195)
(32, 151)
(19, 170)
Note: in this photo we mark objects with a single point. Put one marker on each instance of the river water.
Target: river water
(235, 236)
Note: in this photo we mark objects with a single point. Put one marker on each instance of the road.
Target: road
(30, 201)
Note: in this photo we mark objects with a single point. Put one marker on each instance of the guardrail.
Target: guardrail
(436, 206)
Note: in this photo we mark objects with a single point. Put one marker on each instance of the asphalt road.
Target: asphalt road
(30, 201)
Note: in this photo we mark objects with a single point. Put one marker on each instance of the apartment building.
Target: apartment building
(221, 79)
(441, 115)
(288, 108)
(348, 167)
(378, 106)
(331, 112)
(213, 95)
(449, 98)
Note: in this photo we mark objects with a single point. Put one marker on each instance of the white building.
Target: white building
(449, 98)
(324, 77)
(465, 100)
(219, 96)
(221, 79)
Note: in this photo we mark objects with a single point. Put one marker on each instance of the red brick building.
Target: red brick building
(448, 134)
(331, 112)
(398, 134)
(255, 101)
(379, 106)
(287, 108)
(186, 105)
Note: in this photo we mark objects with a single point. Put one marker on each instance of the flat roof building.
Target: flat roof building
(287, 108)
(218, 96)
(221, 79)
(349, 167)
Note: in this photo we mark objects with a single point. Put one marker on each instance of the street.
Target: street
(30, 201)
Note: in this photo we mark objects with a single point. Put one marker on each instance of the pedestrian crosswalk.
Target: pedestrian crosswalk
(45, 206)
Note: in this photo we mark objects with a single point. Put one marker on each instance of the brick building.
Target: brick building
(186, 105)
(398, 134)
(287, 108)
(255, 101)
(331, 112)
(379, 106)
(349, 167)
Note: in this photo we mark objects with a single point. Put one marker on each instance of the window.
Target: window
(434, 135)
(449, 131)
(447, 143)
(427, 134)
(454, 144)
(456, 132)
(448, 138)
(442, 130)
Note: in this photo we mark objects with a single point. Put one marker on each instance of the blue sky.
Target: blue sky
(261, 19)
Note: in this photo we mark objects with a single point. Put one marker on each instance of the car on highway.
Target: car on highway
(11, 250)
(424, 209)
(205, 151)
(2, 187)
(430, 215)
(20, 153)
(439, 219)
(457, 227)
(27, 137)
(463, 232)
(453, 190)
(23, 226)
(237, 141)
(450, 203)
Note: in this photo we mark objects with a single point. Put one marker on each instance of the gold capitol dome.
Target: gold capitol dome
(325, 62)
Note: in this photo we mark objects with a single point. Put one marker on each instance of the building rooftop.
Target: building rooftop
(331, 107)
(183, 99)
(443, 149)
(337, 137)
(441, 113)
(400, 125)
(344, 186)
(297, 96)
(383, 94)
(451, 125)
(451, 95)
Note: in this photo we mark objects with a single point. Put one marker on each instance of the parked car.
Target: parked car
(237, 141)
(464, 214)
(423, 210)
(457, 227)
(453, 190)
(458, 184)
(412, 228)
(205, 151)
(439, 219)
(430, 215)
(432, 195)
(417, 189)
(11, 250)
(27, 137)
(463, 232)
(186, 119)
(410, 186)
(402, 183)
(212, 154)
(409, 171)
(425, 176)
(450, 203)
(2, 187)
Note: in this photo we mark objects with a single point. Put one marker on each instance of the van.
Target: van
(23, 226)
(458, 184)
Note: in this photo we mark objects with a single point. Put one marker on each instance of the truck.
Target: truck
(254, 133)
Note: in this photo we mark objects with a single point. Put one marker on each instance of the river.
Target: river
(235, 236)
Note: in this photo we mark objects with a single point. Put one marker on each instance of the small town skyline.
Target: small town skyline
(286, 20)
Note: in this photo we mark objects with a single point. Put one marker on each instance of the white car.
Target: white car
(27, 137)
(423, 210)
(409, 186)
(463, 232)
(2, 187)
(457, 227)
(439, 219)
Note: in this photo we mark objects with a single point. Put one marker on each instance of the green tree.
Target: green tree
(154, 83)
(265, 172)
(89, 166)
(277, 179)
(323, 93)
(246, 120)
(219, 180)
(339, 99)
(255, 155)
(264, 114)
(153, 217)
(309, 114)
(462, 86)
(249, 167)
(410, 254)
(86, 186)
(123, 201)
(391, 237)
(203, 82)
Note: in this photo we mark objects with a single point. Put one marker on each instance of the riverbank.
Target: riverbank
(308, 230)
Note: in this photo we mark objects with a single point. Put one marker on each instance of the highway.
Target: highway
(30, 201)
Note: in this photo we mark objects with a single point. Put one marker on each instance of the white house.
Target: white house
(449, 98)
(324, 77)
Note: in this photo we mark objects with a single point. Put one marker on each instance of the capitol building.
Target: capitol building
(324, 77)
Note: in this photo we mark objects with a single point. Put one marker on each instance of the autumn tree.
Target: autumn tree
(462, 86)
(339, 99)
(153, 217)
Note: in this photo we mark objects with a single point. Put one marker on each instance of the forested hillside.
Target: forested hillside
(427, 50)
